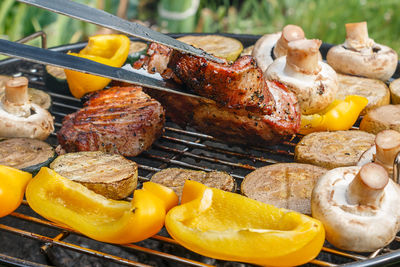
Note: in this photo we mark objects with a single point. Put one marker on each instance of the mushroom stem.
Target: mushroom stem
(368, 185)
(16, 98)
(357, 36)
(289, 33)
(303, 56)
(387, 146)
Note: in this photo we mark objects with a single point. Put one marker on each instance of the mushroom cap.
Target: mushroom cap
(314, 91)
(262, 50)
(380, 64)
(359, 228)
(38, 125)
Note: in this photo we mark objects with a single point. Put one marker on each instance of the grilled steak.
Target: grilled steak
(242, 106)
(121, 120)
(240, 85)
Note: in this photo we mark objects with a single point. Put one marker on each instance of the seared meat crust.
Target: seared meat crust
(122, 120)
(237, 126)
(240, 85)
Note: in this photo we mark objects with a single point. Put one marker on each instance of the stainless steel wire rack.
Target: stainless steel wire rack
(26, 239)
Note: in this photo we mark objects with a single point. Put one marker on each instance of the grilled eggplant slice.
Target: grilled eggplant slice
(26, 154)
(175, 178)
(284, 185)
(110, 175)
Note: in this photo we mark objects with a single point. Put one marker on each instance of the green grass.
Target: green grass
(320, 19)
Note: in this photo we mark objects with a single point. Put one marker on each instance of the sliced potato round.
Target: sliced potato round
(220, 46)
(375, 91)
(26, 154)
(175, 178)
(381, 118)
(333, 149)
(395, 91)
(284, 185)
(110, 175)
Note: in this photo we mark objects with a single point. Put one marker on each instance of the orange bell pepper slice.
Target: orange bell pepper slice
(72, 204)
(232, 227)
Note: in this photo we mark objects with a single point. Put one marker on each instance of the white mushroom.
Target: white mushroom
(384, 152)
(360, 55)
(314, 82)
(19, 117)
(275, 45)
(358, 207)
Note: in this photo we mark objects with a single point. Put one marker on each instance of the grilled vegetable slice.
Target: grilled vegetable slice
(26, 154)
(374, 90)
(56, 72)
(175, 178)
(333, 149)
(381, 118)
(110, 175)
(220, 46)
(284, 185)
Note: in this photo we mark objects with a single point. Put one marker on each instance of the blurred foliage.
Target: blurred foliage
(320, 19)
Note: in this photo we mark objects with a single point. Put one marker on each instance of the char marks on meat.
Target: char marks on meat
(121, 120)
(239, 85)
(241, 107)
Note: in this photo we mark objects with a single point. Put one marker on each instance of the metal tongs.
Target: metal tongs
(99, 17)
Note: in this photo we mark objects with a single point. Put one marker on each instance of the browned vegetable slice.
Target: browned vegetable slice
(374, 90)
(284, 185)
(175, 178)
(110, 175)
(333, 149)
(26, 154)
(381, 118)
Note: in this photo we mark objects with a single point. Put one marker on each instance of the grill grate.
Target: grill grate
(176, 148)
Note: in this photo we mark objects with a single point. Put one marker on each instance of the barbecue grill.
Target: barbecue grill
(26, 239)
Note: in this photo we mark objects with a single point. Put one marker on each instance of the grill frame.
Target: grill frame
(176, 148)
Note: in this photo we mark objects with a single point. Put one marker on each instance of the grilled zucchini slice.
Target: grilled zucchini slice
(110, 175)
(26, 154)
(220, 46)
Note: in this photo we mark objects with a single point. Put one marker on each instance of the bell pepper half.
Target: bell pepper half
(108, 49)
(229, 226)
(12, 188)
(339, 115)
(69, 203)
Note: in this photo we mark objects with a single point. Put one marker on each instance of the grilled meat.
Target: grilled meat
(121, 120)
(240, 85)
(237, 126)
(242, 106)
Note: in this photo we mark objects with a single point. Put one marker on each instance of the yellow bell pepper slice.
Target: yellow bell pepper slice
(72, 204)
(339, 115)
(109, 49)
(232, 227)
(12, 188)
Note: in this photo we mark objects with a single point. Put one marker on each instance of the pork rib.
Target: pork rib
(121, 120)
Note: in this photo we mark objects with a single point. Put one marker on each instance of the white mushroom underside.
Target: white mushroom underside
(314, 92)
(262, 50)
(354, 227)
(376, 65)
(39, 125)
